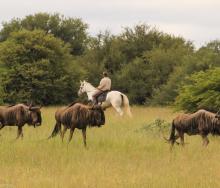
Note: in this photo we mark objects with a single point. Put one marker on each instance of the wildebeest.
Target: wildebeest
(78, 116)
(18, 115)
(201, 123)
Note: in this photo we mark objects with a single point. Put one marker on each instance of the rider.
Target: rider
(104, 85)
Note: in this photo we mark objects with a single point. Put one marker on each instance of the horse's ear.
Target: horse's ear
(80, 82)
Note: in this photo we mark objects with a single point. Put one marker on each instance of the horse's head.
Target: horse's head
(82, 88)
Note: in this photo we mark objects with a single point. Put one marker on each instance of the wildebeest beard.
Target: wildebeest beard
(39, 119)
(97, 117)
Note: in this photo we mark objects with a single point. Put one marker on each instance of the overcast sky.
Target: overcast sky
(195, 20)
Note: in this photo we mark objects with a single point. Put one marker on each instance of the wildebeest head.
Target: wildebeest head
(97, 115)
(35, 116)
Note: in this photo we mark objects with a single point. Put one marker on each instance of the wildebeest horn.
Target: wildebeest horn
(35, 108)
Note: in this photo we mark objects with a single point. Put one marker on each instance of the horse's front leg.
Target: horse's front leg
(105, 105)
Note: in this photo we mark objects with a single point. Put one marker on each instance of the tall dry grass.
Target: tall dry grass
(117, 156)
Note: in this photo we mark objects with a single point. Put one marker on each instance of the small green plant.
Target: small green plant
(158, 126)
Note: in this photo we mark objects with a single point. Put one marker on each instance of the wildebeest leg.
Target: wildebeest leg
(22, 135)
(71, 134)
(174, 139)
(205, 139)
(84, 136)
(181, 138)
(63, 132)
(1, 126)
(19, 133)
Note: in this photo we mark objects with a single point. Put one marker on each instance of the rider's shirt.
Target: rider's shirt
(105, 84)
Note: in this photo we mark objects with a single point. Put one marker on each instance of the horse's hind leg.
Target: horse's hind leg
(118, 109)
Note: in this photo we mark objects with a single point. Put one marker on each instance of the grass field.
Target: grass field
(118, 155)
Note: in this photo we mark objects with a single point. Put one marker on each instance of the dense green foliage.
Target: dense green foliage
(202, 90)
(38, 68)
(72, 31)
(43, 57)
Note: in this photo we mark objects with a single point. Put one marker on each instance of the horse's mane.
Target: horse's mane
(89, 84)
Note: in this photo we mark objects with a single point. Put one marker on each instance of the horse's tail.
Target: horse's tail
(56, 129)
(125, 103)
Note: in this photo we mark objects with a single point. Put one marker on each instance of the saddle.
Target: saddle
(102, 97)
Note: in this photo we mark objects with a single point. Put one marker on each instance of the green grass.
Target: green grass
(117, 156)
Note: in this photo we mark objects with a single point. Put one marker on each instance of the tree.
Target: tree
(136, 80)
(72, 31)
(39, 68)
(201, 91)
(190, 62)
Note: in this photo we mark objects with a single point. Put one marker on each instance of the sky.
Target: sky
(194, 20)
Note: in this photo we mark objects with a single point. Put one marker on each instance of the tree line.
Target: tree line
(43, 57)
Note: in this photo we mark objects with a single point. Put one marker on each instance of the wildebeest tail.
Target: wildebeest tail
(172, 133)
(56, 130)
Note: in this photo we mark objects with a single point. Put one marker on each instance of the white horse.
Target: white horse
(113, 98)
